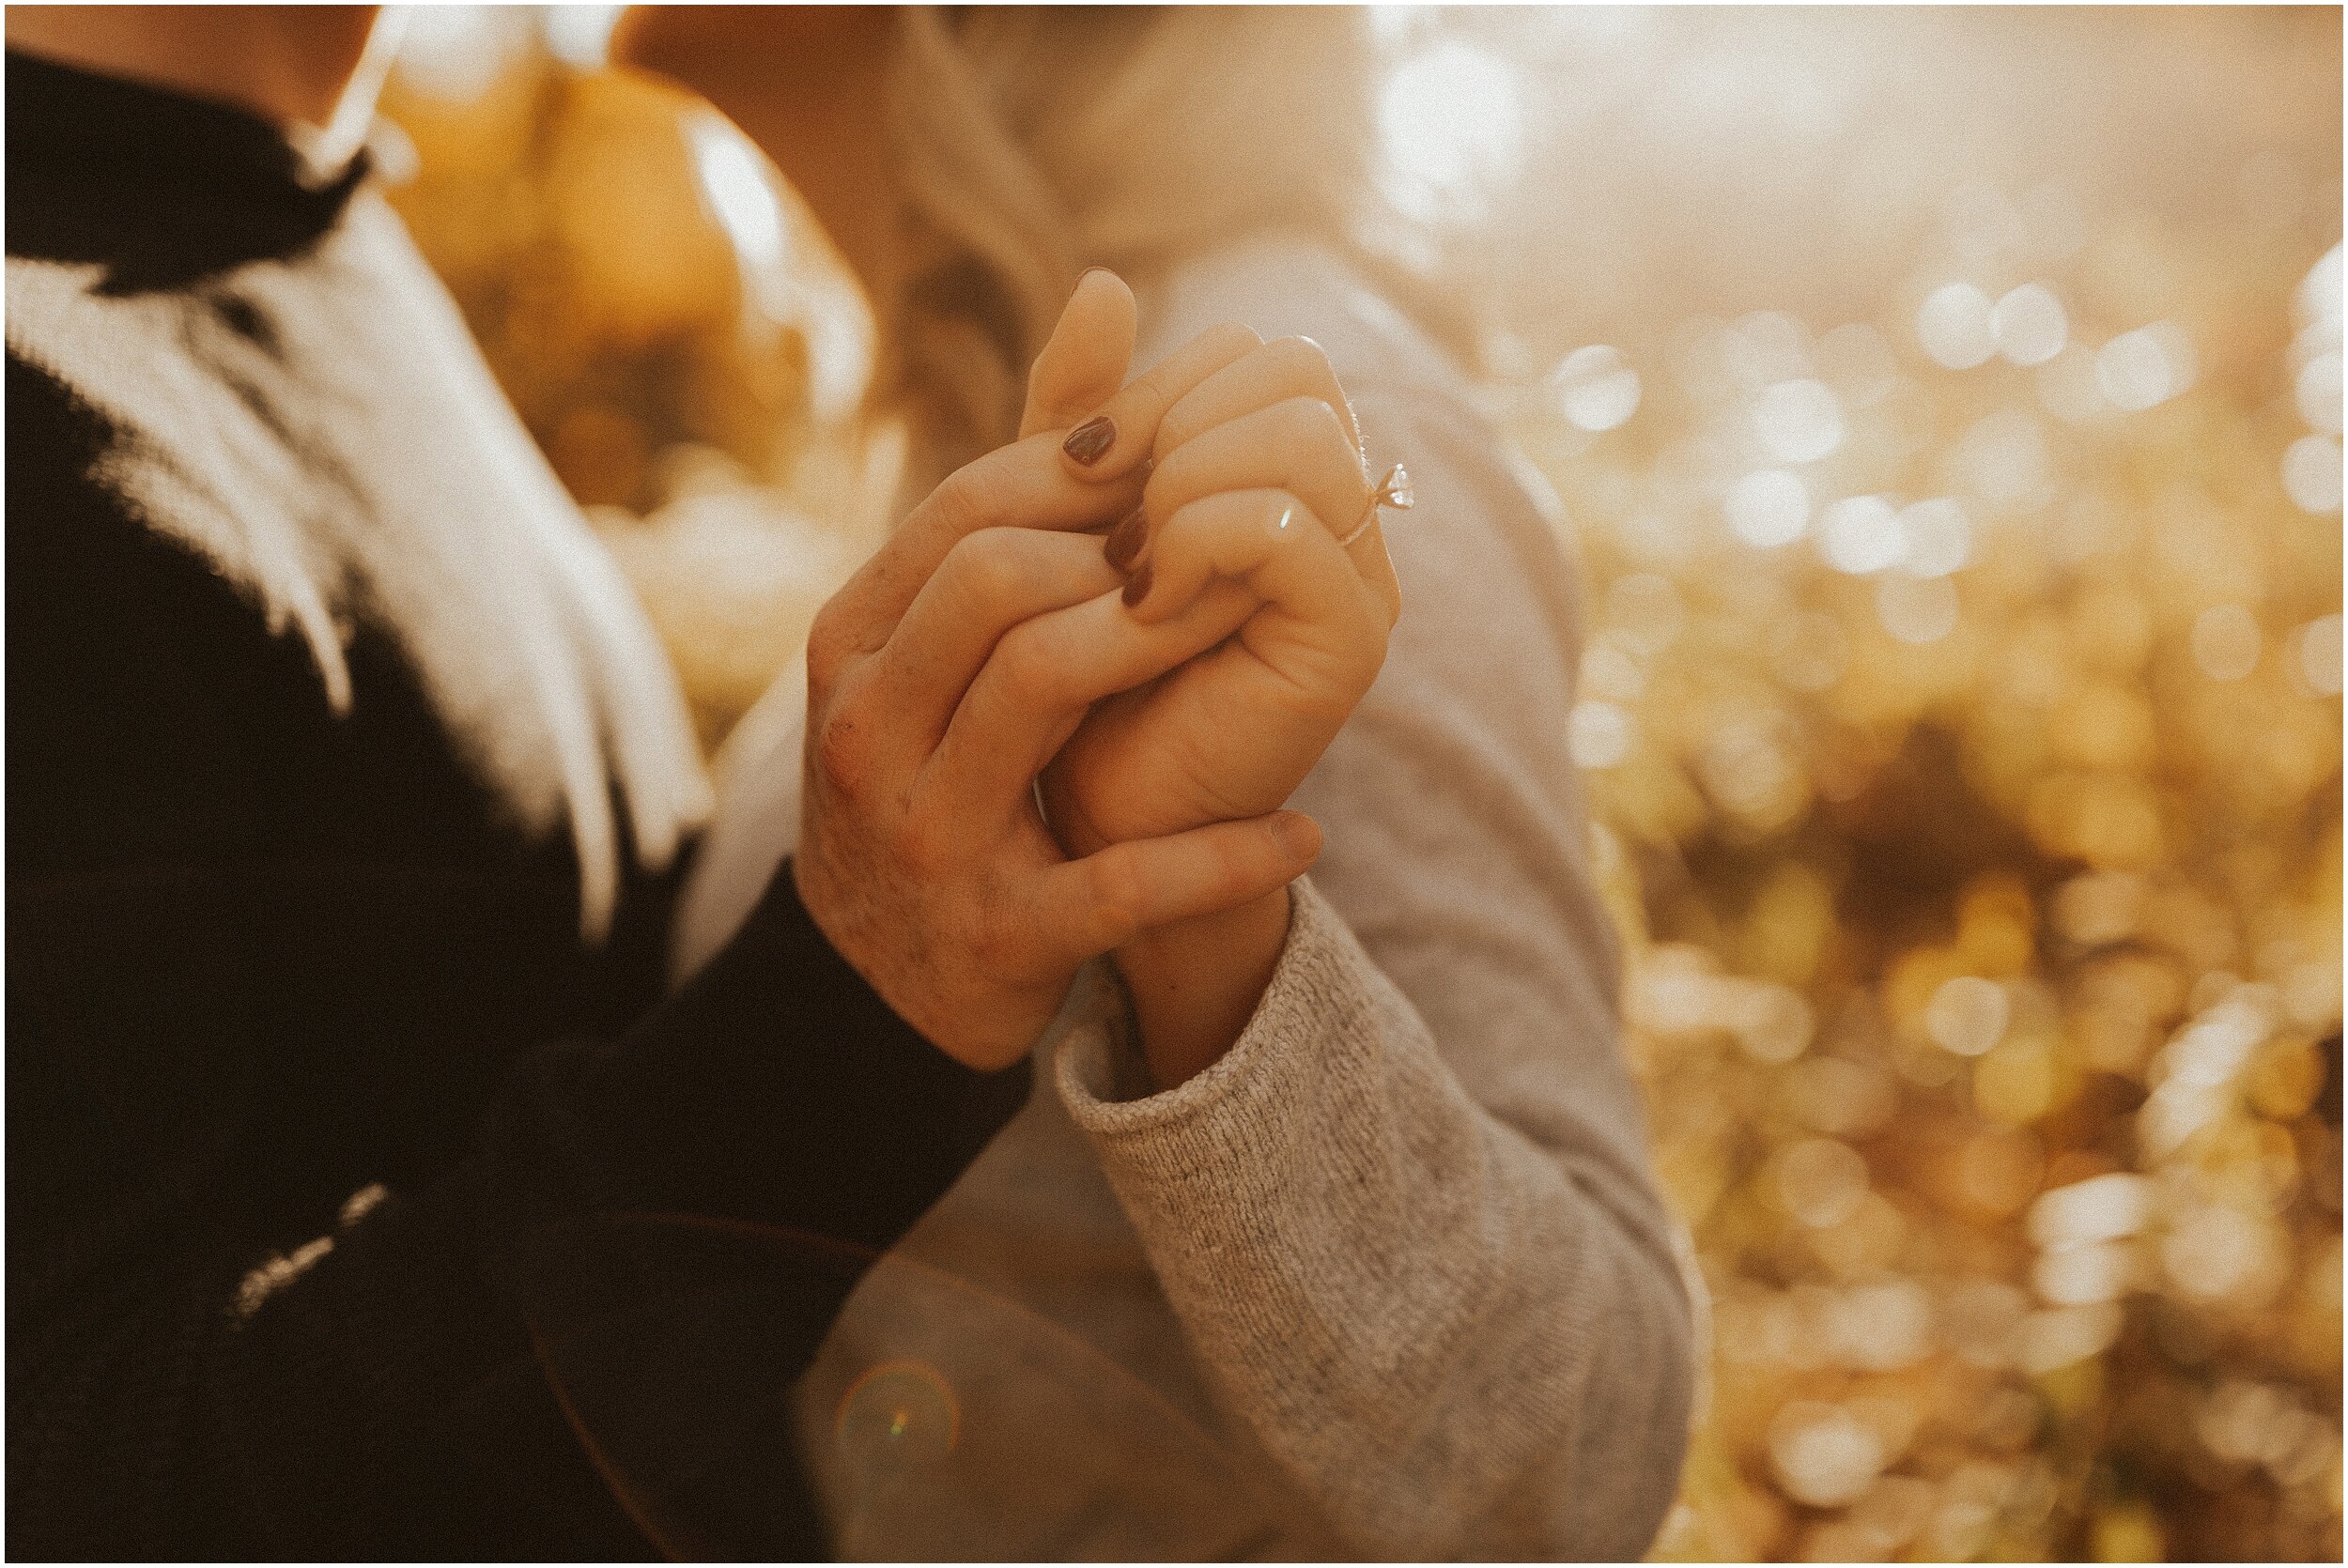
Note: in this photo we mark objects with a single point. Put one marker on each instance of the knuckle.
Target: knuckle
(924, 843)
(984, 566)
(1309, 424)
(1029, 664)
(1117, 893)
(838, 750)
(1288, 523)
(827, 644)
(1302, 358)
(958, 504)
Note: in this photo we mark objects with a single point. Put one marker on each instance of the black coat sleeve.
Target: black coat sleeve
(642, 1249)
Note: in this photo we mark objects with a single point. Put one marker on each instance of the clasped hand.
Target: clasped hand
(1028, 744)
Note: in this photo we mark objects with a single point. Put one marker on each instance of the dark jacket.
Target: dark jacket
(356, 1207)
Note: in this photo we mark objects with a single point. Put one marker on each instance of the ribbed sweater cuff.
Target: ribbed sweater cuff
(1215, 1130)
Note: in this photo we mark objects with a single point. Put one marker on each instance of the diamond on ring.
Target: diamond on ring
(1394, 491)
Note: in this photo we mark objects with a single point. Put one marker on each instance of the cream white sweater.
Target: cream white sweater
(1391, 1279)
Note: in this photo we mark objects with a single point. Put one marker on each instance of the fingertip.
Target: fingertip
(1137, 589)
(1082, 364)
(1090, 441)
(1124, 544)
(1103, 449)
(1100, 279)
(1298, 835)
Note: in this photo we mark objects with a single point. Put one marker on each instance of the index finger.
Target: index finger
(1024, 485)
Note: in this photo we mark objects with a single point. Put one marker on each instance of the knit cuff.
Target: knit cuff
(1225, 1117)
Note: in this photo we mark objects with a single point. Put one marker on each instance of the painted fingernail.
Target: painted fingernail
(1137, 586)
(1123, 545)
(1089, 440)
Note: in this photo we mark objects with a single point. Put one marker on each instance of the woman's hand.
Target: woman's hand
(940, 679)
(1257, 473)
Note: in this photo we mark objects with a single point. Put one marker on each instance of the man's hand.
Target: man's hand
(940, 680)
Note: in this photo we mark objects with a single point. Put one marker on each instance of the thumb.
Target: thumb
(1087, 907)
(1083, 363)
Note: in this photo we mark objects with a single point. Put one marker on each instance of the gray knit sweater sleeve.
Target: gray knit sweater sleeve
(1407, 1221)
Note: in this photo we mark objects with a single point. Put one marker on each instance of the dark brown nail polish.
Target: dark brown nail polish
(1137, 586)
(1089, 440)
(1123, 545)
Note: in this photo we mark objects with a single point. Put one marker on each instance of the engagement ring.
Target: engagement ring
(1393, 490)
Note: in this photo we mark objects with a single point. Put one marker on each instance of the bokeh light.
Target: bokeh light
(1947, 409)
(1450, 129)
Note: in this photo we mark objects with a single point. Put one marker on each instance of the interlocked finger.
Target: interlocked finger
(1044, 673)
(1128, 422)
(1026, 485)
(1299, 444)
(1281, 369)
(1269, 541)
(989, 582)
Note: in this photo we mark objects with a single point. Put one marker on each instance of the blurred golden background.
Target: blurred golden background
(1947, 406)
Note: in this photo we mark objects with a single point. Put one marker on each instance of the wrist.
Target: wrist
(1196, 984)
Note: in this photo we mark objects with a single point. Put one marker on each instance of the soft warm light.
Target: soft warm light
(2311, 473)
(1798, 420)
(1967, 1015)
(2069, 389)
(1822, 1455)
(2028, 325)
(1450, 124)
(2226, 642)
(2320, 656)
(2148, 367)
(1916, 609)
(1595, 388)
(1936, 538)
(1768, 508)
(1597, 734)
(2318, 390)
(580, 35)
(1820, 1181)
(455, 52)
(734, 186)
(1957, 505)
(1954, 326)
(1861, 534)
